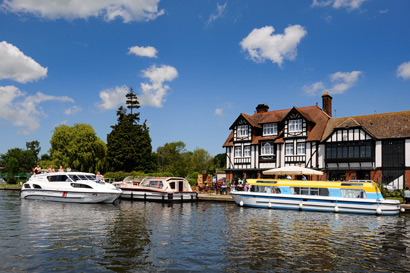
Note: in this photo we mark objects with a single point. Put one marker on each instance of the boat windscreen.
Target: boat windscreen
(74, 177)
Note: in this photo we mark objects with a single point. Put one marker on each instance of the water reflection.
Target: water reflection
(202, 237)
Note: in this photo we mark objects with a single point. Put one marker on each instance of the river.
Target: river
(40, 236)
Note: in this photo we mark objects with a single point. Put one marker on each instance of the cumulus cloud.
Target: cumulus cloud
(339, 81)
(148, 51)
(72, 110)
(113, 97)
(349, 4)
(261, 44)
(22, 110)
(154, 93)
(16, 66)
(128, 10)
(403, 71)
(217, 13)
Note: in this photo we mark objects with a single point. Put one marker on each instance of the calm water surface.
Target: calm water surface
(39, 236)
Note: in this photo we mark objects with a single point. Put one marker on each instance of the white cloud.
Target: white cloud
(261, 44)
(148, 51)
(22, 109)
(216, 14)
(383, 11)
(341, 81)
(349, 4)
(113, 97)
(218, 111)
(128, 10)
(153, 93)
(72, 110)
(403, 71)
(16, 66)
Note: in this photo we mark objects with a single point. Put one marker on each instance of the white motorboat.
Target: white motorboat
(158, 189)
(73, 187)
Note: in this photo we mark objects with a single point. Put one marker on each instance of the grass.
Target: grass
(9, 186)
(396, 198)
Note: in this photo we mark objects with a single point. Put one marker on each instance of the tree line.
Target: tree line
(128, 149)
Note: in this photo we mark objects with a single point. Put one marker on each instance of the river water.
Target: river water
(40, 236)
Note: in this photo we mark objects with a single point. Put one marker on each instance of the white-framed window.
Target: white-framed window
(238, 151)
(289, 148)
(247, 151)
(295, 125)
(243, 130)
(301, 149)
(267, 149)
(270, 129)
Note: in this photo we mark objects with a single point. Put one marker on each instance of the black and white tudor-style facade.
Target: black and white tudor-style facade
(375, 147)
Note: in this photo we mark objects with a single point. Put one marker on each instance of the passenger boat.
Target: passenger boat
(159, 189)
(347, 197)
(73, 187)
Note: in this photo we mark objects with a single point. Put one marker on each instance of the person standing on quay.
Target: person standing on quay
(406, 195)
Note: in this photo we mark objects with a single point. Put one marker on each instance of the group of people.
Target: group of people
(38, 170)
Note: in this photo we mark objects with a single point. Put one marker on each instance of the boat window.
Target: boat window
(79, 185)
(82, 177)
(310, 191)
(353, 193)
(57, 178)
(91, 177)
(352, 184)
(73, 177)
(27, 186)
(36, 186)
(155, 184)
(172, 185)
(270, 182)
(265, 189)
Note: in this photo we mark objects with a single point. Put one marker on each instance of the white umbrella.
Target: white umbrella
(292, 170)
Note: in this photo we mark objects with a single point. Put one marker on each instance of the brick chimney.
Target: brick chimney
(261, 108)
(327, 103)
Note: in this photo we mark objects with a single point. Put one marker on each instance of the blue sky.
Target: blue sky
(195, 64)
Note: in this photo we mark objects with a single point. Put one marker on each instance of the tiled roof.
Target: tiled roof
(312, 113)
(379, 126)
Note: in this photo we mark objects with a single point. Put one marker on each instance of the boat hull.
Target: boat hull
(158, 196)
(316, 203)
(70, 196)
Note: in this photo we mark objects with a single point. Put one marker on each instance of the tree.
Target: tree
(17, 161)
(129, 144)
(78, 147)
(200, 160)
(173, 158)
(34, 146)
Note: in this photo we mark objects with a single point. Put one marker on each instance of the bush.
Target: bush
(192, 181)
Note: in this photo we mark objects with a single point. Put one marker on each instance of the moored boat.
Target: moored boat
(327, 196)
(159, 189)
(72, 187)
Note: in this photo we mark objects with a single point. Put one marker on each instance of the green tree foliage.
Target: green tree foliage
(173, 158)
(78, 147)
(200, 160)
(34, 146)
(17, 161)
(129, 143)
(219, 162)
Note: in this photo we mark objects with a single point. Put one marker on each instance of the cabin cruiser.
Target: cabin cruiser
(327, 196)
(158, 189)
(73, 187)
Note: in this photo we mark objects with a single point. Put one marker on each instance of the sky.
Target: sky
(195, 65)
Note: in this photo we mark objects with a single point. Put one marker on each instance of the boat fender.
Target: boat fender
(300, 205)
(336, 209)
(241, 203)
(269, 205)
(378, 211)
(402, 210)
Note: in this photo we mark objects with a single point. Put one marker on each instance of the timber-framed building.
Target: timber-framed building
(372, 147)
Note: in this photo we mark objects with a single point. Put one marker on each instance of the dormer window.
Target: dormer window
(243, 130)
(295, 125)
(270, 129)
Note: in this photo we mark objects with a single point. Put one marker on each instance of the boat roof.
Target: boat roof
(166, 178)
(64, 173)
